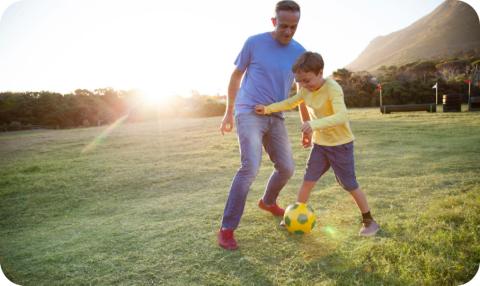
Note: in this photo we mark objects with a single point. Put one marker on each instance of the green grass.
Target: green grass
(143, 207)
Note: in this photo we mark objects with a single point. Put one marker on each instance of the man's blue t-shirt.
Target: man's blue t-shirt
(268, 66)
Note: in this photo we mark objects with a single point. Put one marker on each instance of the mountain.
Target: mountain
(452, 29)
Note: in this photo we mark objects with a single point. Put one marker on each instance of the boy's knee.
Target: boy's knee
(349, 184)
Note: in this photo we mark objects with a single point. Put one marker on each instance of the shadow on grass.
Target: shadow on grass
(338, 269)
(238, 268)
(323, 259)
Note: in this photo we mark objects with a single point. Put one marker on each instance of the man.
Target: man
(266, 60)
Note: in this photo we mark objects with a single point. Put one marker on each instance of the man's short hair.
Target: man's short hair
(308, 62)
(287, 5)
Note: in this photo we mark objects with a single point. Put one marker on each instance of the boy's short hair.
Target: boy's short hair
(287, 5)
(308, 62)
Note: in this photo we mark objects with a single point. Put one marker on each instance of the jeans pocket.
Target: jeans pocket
(241, 118)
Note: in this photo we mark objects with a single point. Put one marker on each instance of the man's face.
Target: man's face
(309, 80)
(285, 24)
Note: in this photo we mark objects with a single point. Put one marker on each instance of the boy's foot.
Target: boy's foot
(226, 239)
(273, 209)
(369, 228)
(282, 223)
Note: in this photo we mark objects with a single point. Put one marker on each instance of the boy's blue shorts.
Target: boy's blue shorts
(340, 158)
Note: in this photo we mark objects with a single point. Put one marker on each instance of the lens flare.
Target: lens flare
(100, 138)
(329, 230)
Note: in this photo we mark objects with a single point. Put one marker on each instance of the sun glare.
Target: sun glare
(152, 98)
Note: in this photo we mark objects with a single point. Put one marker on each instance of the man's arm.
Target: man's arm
(233, 86)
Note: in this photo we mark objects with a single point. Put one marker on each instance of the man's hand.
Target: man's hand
(260, 109)
(227, 123)
(306, 128)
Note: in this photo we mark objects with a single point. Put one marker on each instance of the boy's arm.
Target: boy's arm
(283, 105)
(339, 115)
(304, 117)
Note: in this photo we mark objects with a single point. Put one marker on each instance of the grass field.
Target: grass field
(142, 205)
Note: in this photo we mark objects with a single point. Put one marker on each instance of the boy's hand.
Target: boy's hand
(260, 109)
(306, 140)
(306, 128)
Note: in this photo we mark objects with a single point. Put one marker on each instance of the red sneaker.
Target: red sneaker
(226, 239)
(274, 209)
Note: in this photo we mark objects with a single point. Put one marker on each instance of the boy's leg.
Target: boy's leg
(277, 145)
(317, 165)
(250, 130)
(304, 192)
(369, 225)
(360, 200)
(343, 164)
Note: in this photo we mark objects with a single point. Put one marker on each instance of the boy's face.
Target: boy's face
(309, 80)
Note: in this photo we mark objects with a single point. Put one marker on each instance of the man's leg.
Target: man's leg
(278, 147)
(250, 129)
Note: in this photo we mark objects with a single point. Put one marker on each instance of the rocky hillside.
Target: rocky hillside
(451, 30)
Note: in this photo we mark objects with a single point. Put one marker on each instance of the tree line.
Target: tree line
(84, 108)
(410, 83)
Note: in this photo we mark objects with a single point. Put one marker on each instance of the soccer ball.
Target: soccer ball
(299, 218)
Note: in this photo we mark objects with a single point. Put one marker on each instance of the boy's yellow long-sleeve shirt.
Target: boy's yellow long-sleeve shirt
(328, 113)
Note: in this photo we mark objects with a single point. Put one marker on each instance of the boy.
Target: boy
(332, 136)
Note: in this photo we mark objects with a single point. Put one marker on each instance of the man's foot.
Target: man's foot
(226, 239)
(273, 209)
(369, 228)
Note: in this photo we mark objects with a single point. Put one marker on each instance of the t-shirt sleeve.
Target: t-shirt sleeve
(245, 56)
(286, 104)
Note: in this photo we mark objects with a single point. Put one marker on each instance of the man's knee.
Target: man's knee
(249, 170)
(287, 170)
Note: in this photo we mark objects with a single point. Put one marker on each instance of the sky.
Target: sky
(167, 48)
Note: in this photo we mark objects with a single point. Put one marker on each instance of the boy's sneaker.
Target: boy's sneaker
(273, 209)
(369, 228)
(226, 239)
